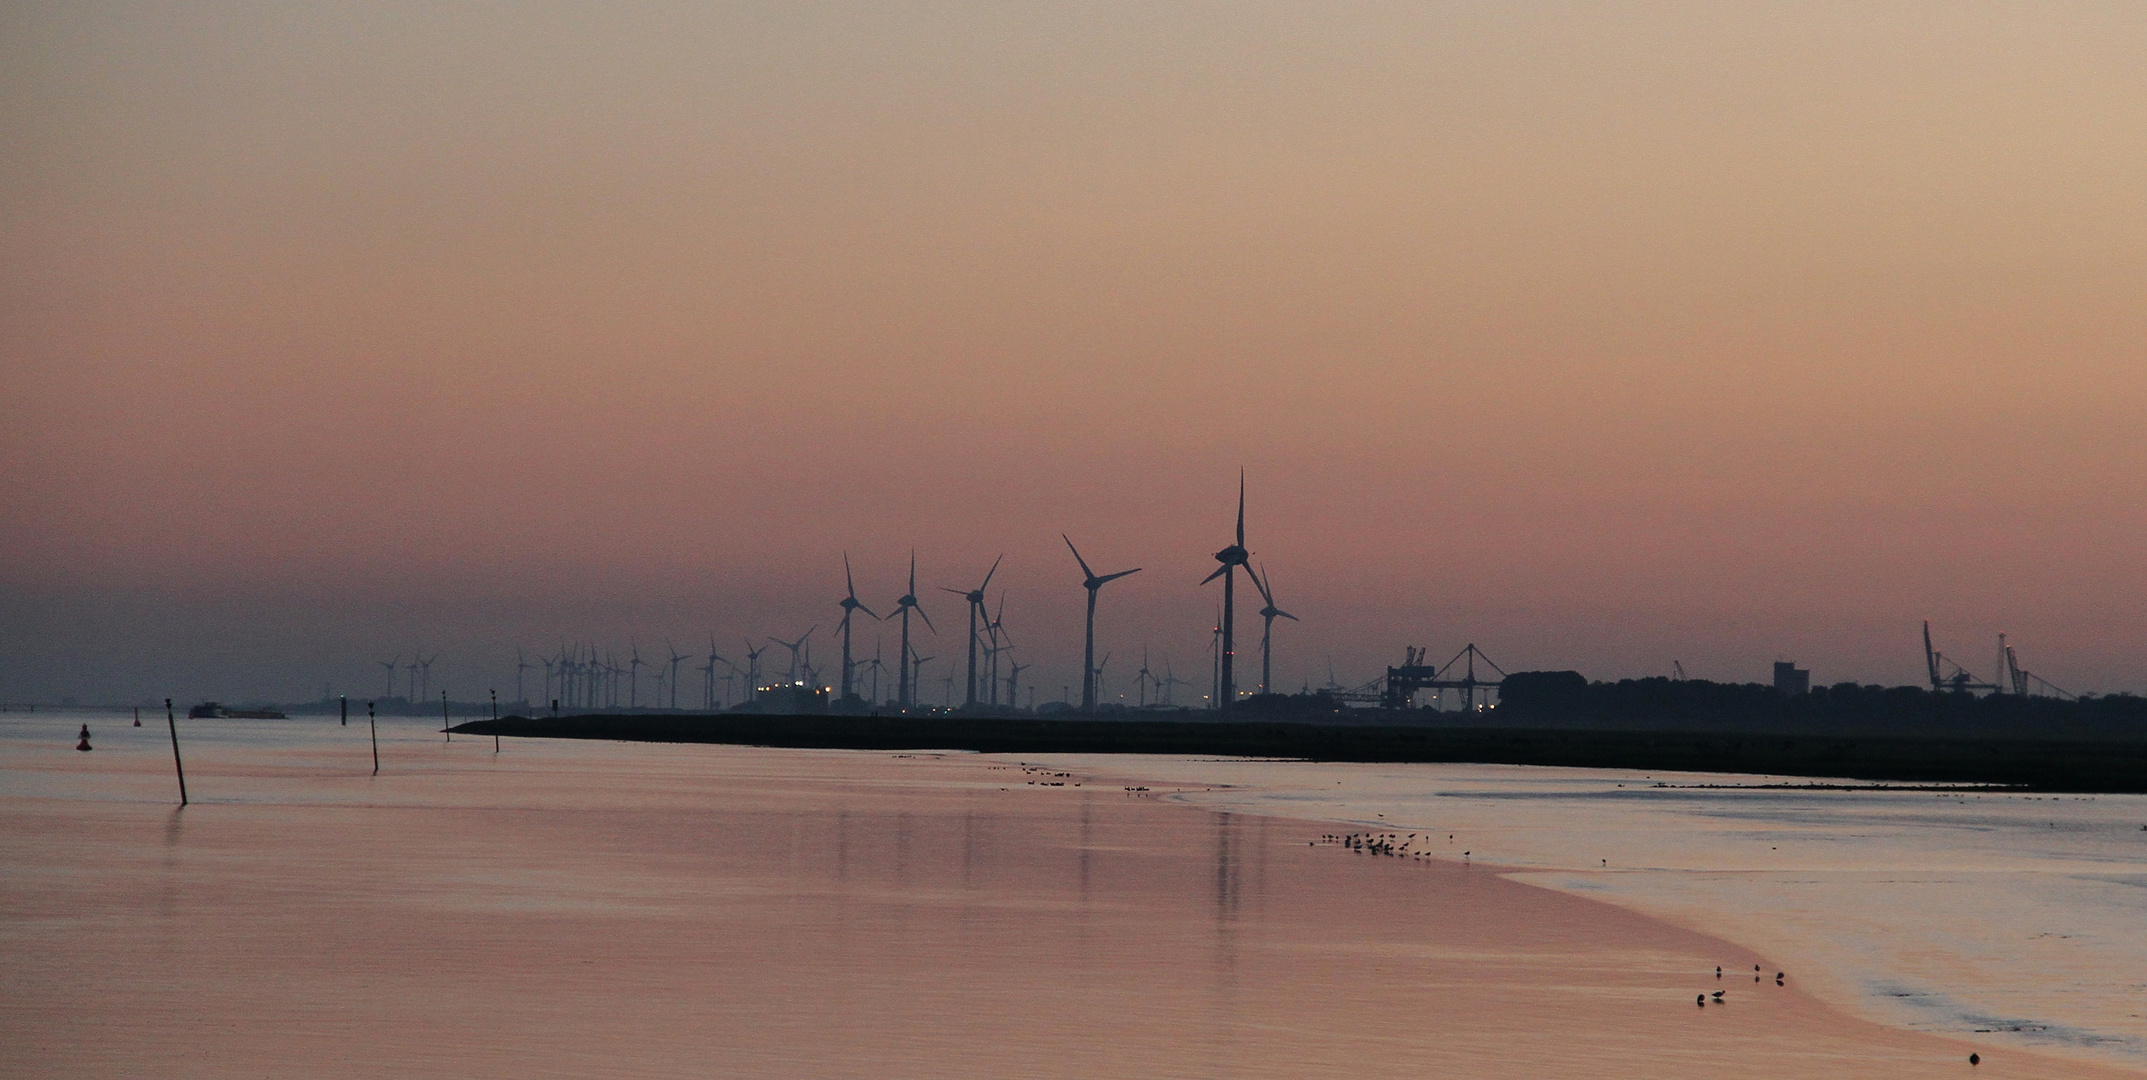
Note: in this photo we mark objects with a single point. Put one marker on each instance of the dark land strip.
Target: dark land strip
(2082, 766)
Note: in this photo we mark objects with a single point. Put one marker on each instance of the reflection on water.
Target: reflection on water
(591, 909)
(2015, 916)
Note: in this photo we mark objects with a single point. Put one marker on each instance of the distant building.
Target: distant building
(1791, 679)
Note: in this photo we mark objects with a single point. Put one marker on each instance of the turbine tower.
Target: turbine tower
(849, 604)
(633, 677)
(391, 665)
(905, 605)
(1092, 583)
(976, 608)
(1231, 558)
(710, 689)
(1264, 581)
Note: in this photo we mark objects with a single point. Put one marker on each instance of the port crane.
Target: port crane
(1948, 676)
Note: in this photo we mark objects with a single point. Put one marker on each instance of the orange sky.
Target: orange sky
(1600, 334)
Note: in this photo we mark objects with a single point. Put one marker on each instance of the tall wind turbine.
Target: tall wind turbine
(1268, 614)
(905, 605)
(1013, 684)
(426, 665)
(633, 676)
(1092, 583)
(849, 605)
(391, 665)
(1231, 558)
(976, 608)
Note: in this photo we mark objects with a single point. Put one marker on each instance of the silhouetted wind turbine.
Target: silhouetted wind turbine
(905, 605)
(520, 666)
(425, 688)
(1268, 615)
(1143, 677)
(391, 665)
(849, 605)
(1013, 684)
(976, 608)
(1231, 558)
(676, 656)
(917, 674)
(752, 669)
(633, 676)
(708, 689)
(795, 647)
(1088, 649)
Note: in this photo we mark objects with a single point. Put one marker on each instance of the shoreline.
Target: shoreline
(2117, 767)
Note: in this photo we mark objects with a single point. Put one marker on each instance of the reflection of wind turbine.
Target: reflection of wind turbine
(905, 605)
(1092, 583)
(849, 605)
(391, 665)
(976, 608)
(1231, 558)
(1268, 615)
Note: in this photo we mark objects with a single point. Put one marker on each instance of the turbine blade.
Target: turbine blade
(1116, 576)
(1085, 571)
(957, 592)
(919, 608)
(848, 580)
(866, 610)
(1241, 508)
(988, 573)
(1219, 571)
(1287, 615)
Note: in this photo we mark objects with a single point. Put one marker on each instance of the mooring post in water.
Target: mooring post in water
(445, 725)
(375, 728)
(344, 701)
(172, 719)
(495, 721)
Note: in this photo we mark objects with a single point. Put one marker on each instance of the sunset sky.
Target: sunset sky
(1600, 334)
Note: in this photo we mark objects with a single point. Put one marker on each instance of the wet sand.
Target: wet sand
(615, 910)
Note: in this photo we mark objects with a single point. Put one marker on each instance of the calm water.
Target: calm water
(589, 909)
(2023, 917)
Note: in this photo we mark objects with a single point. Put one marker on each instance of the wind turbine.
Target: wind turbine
(425, 693)
(875, 665)
(976, 608)
(709, 686)
(1143, 677)
(1268, 614)
(849, 605)
(1170, 682)
(1100, 665)
(633, 677)
(391, 665)
(996, 641)
(752, 669)
(794, 647)
(1088, 649)
(917, 675)
(905, 605)
(411, 667)
(1013, 684)
(676, 656)
(1231, 558)
(520, 666)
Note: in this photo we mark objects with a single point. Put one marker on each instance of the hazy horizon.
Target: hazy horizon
(1599, 335)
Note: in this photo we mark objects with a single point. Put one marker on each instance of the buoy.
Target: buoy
(1975, 1059)
(84, 744)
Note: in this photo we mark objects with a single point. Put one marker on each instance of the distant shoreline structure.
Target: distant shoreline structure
(2083, 766)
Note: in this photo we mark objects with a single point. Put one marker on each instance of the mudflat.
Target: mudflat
(598, 909)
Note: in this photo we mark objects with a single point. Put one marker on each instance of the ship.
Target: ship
(210, 710)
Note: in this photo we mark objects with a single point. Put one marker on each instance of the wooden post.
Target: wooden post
(344, 702)
(376, 736)
(445, 723)
(495, 721)
(172, 719)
